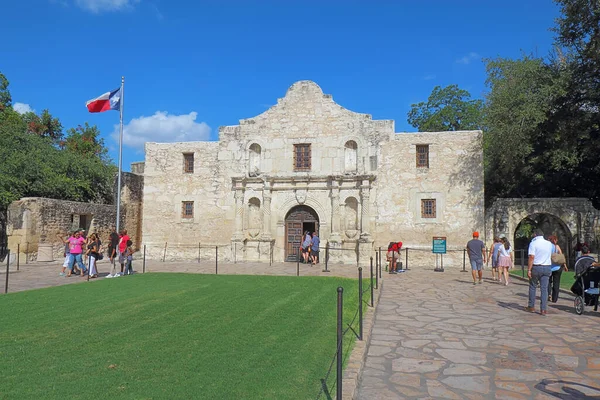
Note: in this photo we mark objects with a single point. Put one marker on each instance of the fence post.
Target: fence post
(144, 262)
(198, 252)
(7, 271)
(372, 295)
(27, 253)
(360, 304)
(340, 336)
(406, 260)
(298, 262)
(18, 252)
(216, 260)
(165, 252)
(464, 260)
(376, 274)
(326, 257)
(376, 261)
(381, 259)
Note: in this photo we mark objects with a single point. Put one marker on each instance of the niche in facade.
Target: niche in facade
(254, 217)
(254, 159)
(351, 217)
(350, 156)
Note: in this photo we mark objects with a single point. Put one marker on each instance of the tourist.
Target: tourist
(554, 284)
(75, 244)
(493, 255)
(539, 269)
(315, 248)
(129, 257)
(113, 244)
(306, 242)
(122, 249)
(93, 254)
(66, 253)
(392, 257)
(505, 260)
(476, 252)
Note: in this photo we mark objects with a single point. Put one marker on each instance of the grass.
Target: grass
(173, 336)
(566, 278)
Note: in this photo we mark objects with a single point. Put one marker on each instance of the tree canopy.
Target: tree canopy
(36, 161)
(447, 109)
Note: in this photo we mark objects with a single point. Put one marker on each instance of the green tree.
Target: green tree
(5, 98)
(86, 141)
(447, 109)
(44, 125)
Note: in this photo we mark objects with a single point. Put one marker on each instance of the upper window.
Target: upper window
(350, 156)
(302, 157)
(187, 209)
(254, 159)
(188, 163)
(428, 208)
(422, 156)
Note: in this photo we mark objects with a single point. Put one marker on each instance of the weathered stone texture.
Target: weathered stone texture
(363, 184)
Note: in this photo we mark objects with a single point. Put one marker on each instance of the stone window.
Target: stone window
(350, 156)
(422, 156)
(428, 208)
(373, 161)
(351, 211)
(302, 157)
(187, 209)
(254, 159)
(188, 163)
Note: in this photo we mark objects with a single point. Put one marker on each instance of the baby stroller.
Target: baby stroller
(585, 288)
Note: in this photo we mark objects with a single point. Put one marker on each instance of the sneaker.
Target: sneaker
(109, 276)
(62, 274)
(474, 283)
(480, 281)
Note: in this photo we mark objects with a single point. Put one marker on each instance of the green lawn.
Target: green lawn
(173, 336)
(566, 279)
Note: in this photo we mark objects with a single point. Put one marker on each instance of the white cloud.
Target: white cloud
(163, 128)
(22, 108)
(98, 6)
(472, 56)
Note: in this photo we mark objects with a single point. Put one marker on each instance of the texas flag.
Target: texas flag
(108, 101)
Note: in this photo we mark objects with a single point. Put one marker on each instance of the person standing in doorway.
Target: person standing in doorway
(315, 248)
(476, 251)
(539, 269)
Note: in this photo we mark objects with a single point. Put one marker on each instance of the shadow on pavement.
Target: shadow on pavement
(568, 390)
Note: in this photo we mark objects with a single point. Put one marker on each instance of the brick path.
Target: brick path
(38, 275)
(438, 336)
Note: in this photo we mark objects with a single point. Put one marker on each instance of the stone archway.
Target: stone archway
(551, 225)
(579, 220)
(298, 220)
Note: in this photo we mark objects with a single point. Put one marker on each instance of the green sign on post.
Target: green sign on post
(439, 245)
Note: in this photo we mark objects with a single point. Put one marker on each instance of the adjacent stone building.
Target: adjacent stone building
(308, 164)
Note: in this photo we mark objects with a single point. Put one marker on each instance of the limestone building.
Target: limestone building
(308, 164)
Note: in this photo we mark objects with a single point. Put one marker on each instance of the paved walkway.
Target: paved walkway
(39, 275)
(436, 336)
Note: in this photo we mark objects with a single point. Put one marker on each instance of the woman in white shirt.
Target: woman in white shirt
(505, 260)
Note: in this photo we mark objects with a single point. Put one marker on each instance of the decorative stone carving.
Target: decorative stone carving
(301, 195)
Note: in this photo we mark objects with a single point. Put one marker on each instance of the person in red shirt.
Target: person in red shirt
(392, 256)
(122, 249)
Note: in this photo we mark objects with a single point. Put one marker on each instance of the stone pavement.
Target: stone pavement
(38, 275)
(436, 336)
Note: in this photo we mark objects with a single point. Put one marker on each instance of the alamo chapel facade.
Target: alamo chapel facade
(308, 164)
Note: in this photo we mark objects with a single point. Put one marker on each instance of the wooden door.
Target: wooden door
(294, 229)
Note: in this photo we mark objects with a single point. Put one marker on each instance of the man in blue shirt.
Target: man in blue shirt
(315, 248)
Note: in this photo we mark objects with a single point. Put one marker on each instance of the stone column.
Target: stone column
(239, 214)
(266, 212)
(335, 212)
(365, 218)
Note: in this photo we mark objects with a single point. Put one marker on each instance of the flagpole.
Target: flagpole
(120, 155)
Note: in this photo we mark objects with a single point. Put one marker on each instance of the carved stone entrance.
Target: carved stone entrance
(297, 221)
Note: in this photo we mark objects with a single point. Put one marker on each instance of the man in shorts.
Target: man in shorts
(476, 251)
(314, 247)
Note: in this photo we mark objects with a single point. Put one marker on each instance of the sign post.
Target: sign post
(439, 248)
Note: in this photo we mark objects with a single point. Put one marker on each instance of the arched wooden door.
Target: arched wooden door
(297, 221)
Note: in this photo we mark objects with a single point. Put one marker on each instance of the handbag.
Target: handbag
(558, 259)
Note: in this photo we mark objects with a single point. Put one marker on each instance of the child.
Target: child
(129, 257)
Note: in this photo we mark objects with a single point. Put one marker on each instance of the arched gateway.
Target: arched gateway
(297, 221)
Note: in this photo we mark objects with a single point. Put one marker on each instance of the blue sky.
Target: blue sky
(192, 66)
